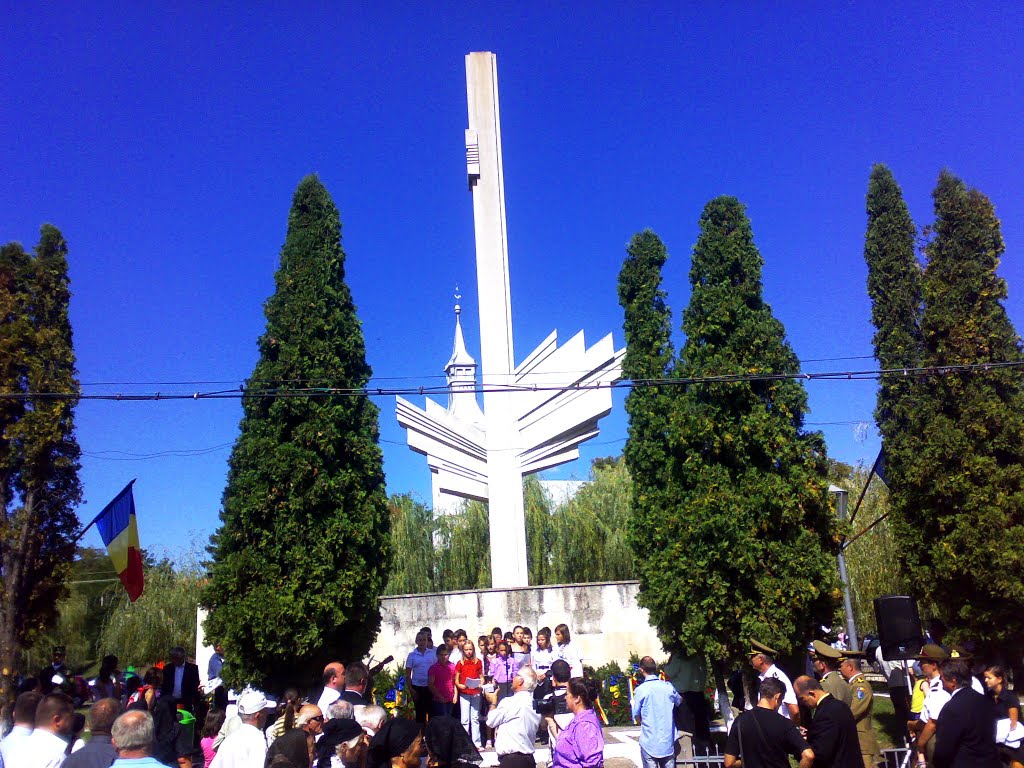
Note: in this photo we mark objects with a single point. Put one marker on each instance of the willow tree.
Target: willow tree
(589, 531)
(961, 524)
(412, 544)
(463, 548)
(731, 522)
(39, 455)
(303, 550)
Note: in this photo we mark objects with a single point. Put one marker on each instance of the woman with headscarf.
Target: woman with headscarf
(581, 743)
(397, 745)
(292, 749)
(448, 745)
(335, 732)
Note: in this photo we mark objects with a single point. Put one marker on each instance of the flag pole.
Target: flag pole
(864, 490)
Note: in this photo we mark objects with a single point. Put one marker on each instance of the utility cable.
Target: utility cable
(242, 392)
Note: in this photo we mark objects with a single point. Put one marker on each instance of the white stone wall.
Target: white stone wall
(605, 622)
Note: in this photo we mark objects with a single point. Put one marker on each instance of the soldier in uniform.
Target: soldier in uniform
(861, 705)
(826, 664)
(56, 675)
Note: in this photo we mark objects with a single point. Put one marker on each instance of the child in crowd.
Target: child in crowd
(520, 650)
(503, 670)
(211, 727)
(441, 681)
(492, 652)
(468, 676)
(481, 644)
(543, 654)
(566, 651)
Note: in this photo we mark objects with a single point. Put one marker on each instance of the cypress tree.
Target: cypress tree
(303, 550)
(649, 357)
(739, 539)
(962, 520)
(39, 454)
(894, 285)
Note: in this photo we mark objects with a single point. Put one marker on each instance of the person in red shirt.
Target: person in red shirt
(468, 676)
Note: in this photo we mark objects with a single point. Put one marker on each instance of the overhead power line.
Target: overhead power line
(243, 392)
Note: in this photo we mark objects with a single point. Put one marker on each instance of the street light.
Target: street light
(842, 500)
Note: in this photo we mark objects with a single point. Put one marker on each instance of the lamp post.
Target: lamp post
(842, 500)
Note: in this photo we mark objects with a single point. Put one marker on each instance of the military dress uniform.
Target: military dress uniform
(832, 682)
(861, 705)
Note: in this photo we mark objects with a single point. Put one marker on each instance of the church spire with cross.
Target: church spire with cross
(461, 373)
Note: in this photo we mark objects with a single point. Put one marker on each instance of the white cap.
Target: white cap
(252, 701)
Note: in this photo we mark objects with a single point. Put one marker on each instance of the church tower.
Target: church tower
(461, 372)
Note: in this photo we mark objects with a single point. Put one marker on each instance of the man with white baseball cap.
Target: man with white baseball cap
(246, 747)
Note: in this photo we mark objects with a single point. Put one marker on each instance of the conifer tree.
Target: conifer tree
(961, 522)
(39, 455)
(735, 538)
(894, 285)
(303, 550)
(649, 357)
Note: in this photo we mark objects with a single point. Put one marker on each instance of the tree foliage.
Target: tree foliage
(142, 632)
(960, 516)
(39, 455)
(588, 540)
(894, 286)
(731, 518)
(582, 540)
(874, 561)
(302, 553)
(81, 612)
(463, 549)
(412, 542)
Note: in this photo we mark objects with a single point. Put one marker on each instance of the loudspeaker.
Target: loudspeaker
(899, 627)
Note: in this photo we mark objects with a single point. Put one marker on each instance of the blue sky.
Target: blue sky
(166, 141)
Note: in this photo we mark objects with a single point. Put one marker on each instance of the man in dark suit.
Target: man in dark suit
(357, 678)
(832, 732)
(965, 733)
(181, 680)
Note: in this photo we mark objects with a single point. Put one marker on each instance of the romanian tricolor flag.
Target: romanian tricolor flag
(118, 529)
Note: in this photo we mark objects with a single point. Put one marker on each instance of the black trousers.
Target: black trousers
(422, 702)
(516, 760)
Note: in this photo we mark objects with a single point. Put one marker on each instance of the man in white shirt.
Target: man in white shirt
(516, 722)
(25, 707)
(334, 683)
(762, 659)
(247, 746)
(45, 747)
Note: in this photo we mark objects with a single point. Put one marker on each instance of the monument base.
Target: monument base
(604, 619)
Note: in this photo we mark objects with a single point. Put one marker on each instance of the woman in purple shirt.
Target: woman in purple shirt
(581, 743)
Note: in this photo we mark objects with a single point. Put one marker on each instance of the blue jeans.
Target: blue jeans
(656, 762)
(469, 710)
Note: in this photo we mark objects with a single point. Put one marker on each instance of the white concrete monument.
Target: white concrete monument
(535, 414)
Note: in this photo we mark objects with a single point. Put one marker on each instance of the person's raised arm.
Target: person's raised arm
(807, 758)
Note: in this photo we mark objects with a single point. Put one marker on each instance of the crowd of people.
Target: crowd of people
(165, 718)
(825, 717)
(505, 693)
